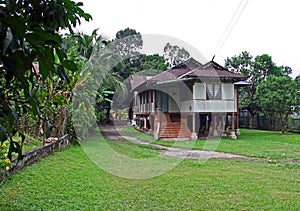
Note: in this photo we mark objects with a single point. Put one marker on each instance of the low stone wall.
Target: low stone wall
(35, 155)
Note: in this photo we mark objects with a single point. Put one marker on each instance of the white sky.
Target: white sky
(265, 26)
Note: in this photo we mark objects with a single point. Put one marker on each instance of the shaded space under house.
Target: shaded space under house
(188, 101)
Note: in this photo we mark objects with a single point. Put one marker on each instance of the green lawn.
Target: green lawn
(30, 142)
(68, 180)
(259, 143)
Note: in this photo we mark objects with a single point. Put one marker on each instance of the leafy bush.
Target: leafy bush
(4, 160)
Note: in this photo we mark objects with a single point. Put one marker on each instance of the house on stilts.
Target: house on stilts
(188, 101)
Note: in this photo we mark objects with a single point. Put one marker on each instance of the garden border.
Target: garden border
(34, 155)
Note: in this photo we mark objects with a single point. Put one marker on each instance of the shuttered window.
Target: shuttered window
(213, 91)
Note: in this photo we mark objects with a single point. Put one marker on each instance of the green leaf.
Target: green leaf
(39, 37)
(15, 147)
(46, 61)
(61, 55)
(108, 92)
(10, 5)
(34, 103)
(70, 65)
(60, 70)
(22, 137)
(17, 25)
(7, 41)
(3, 134)
(58, 99)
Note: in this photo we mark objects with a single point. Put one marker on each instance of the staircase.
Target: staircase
(171, 130)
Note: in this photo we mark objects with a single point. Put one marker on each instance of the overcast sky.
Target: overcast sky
(265, 26)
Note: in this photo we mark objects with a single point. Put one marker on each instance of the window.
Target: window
(213, 91)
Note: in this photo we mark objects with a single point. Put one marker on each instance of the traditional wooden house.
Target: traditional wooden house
(188, 101)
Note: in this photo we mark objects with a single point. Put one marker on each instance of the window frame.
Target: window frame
(213, 95)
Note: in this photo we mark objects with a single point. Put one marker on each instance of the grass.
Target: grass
(258, 143)
(30, 142)
(139, 135)
(69, 180)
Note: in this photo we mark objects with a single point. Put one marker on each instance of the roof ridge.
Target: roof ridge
(191, 71)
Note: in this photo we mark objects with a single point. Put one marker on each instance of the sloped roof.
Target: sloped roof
(190, 63)
(190, 69)
(176, 71)
(214, 70)
(170, 74)
(137, 80)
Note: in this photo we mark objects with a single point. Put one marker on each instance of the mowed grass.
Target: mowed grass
(30, 142)
(69, 180)
(257, 143)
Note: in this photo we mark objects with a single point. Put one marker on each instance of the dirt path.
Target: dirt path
(115, 134)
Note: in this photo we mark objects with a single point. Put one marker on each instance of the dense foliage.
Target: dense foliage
(276, 97)
(29, 35)
(257, 69)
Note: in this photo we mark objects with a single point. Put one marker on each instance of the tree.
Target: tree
(175, 55)
(286, 70)
(276, 95)
(141, 64)
(263, 66)
(29, 33)
(256, 69)
(297, 80)
(153, 64)
(128, 42)
(87, 44)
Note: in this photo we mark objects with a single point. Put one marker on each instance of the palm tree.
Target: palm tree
(87, 44)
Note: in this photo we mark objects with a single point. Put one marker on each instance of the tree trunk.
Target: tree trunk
(251, 120)
(107, 117)
(282, 123)
(257, 119)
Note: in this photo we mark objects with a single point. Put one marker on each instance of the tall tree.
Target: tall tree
(276, 95)
(286, 70)
(128, 42)
(243, 64)
(148, 64)
(29, 32)
(175, 55)
(87, 44)
(297, 80)
(256, 69)
(263, 66)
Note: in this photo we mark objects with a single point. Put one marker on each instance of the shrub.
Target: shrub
(5, 162)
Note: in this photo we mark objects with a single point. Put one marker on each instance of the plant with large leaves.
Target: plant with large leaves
(29, 33)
